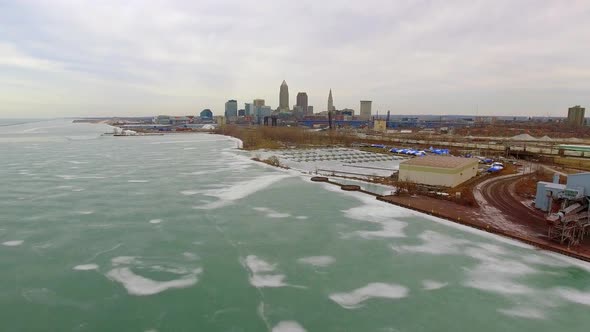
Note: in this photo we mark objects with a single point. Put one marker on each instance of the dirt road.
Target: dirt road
(503, 209)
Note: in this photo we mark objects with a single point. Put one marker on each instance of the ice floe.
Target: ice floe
(288, 326)
(136, 284)
(261, 273)
(433, 284)
(86, 267)
(356, 298)
(141, 286)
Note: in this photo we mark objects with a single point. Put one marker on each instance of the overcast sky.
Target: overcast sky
(76, 58)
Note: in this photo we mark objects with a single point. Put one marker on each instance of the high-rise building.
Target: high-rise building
(309, 110)
(302, 101)
(248, 109)
(331, 102)
(260, 112)
(284, 97)
(231, 109)
(258, 102)
(576, 115)
(365, 113)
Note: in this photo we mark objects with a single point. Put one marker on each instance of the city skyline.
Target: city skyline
(503, 58)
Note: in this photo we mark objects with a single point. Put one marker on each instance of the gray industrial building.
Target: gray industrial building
(576, 187)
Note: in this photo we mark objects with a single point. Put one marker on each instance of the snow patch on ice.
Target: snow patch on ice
(86, 267)
(574, 295)
(319, 261)
(433, 284)
(142, 286)
(270, 213)
(357, 297)
(435, 244)
(240, 190)
(288, 326)
(12, 243)
(523, 312)
(190, 192)
(260, 273)
(497, 274)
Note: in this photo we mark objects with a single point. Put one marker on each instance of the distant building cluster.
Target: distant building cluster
(302, 114)
(258, 113)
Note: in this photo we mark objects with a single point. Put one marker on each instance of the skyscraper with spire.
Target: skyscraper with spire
(330, 102)
(284, 98)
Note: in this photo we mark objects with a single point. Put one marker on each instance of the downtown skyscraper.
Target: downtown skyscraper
(331, 102)
(284, 98)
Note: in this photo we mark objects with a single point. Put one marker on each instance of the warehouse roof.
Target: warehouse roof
(440, 161)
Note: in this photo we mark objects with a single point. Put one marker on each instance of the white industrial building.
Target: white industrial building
(445, 171)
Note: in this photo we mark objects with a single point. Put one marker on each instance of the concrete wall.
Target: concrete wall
(437, 176)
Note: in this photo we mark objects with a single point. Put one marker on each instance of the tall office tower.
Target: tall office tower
(284, 98)
(575, 115)
(302, 101)
(309, 110)
(248, 108)
(365, 113)
(330, 102)
(258, 102)
(231, 109)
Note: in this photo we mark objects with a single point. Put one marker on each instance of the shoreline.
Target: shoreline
(448, 214)
(544, 245)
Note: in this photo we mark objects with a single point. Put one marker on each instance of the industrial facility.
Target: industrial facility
(445, 171)
(566, 206)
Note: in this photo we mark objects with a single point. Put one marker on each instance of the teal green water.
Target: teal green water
(185, 233)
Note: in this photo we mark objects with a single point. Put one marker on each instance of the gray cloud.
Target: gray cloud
(140, 57)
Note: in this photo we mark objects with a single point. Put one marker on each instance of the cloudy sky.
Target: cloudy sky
(77, 58)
